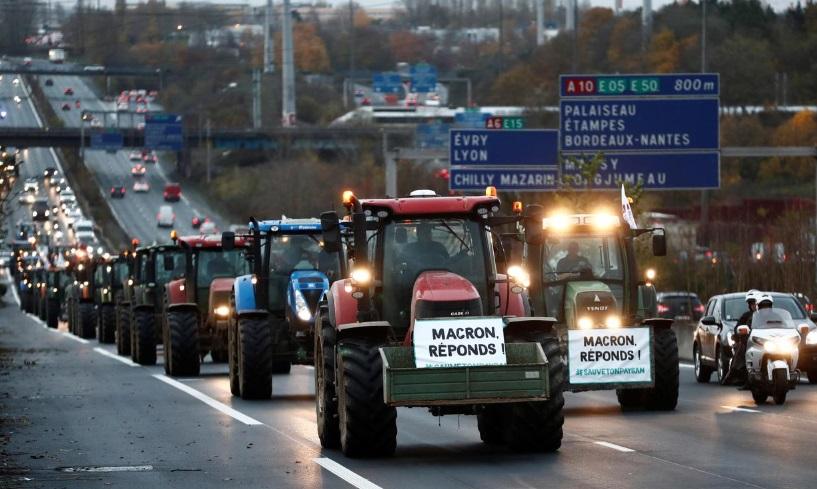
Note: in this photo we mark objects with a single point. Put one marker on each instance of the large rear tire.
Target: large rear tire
(232, 357)
(630, 399)
(537, 426)
(123, 345)
(368, 427)
(143, 336)
(491, 424)
(326, 401)
(254, 358)
(87, 320)
(664, 396)
(182, 355)
(107, 323)
(52, 319)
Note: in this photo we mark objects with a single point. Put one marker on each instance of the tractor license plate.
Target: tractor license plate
(610, 356)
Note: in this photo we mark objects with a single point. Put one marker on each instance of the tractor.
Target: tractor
(153, 267)
(584, 273)
(109, 275)
(197, 306)
(274, 307)
(79, 295)
(57, 281)
(425, 320)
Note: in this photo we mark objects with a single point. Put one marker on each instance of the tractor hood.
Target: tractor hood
(306, 289)
(220, 289)
(591, 299)
(440, 294)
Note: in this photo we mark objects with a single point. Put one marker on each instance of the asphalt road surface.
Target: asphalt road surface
(75, 415)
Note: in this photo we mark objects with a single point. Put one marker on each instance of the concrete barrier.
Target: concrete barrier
(684, 330)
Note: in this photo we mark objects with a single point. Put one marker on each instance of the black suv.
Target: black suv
(712, 340)
(680, 306)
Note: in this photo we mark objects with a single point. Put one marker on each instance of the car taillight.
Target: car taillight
(810, 308)
(113, 190)
(662, 308)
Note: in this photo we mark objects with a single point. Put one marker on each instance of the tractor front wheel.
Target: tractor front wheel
(143, 338)
(52, 316)
(326, 401)
(368, 426)
(123, 345)
(254, 358)
(87, 320)
(107, 323)
(182, 354)
(664, 396)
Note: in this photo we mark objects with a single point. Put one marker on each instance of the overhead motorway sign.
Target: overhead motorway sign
(423, 78)
(387, 82)
(471, 118)
(653, 171)
(486, 147)
(107, 140)
(518, 179)
(164, 132)
(661, 85)
(433, 135)
(639, 124)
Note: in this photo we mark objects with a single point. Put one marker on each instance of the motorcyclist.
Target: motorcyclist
(751, 302)
(737, 367)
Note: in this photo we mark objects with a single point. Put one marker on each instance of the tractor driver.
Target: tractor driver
(219, 267)
(573, 261)
(425, 252)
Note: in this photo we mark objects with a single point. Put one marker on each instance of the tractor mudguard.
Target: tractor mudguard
(175, 292)
(520, 328)
(658, 323)
(378, 330)
(244, 293)
(183, 306)
(253, 314)
(342, 306)
(510, 304)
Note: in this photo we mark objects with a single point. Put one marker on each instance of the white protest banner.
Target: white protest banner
(459, 342)
(609, 356)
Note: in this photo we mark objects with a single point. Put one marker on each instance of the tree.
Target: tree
(409, 47)
(744, 82)
(665, 52)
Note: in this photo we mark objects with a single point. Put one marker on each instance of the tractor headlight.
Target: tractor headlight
(782, 346)
(811, 338)
(361, 276)
(222, 311)
(130, 281)
(301, 307)
(55, 290)
(585, 323)
(519, 275)
(613, 322)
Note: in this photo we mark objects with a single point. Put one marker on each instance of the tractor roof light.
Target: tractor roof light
(558, 222)
(348, 198)
(517, 207)
(604, 220)
(174, 236)
(490, 191)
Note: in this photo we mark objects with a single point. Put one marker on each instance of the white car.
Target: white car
(141, 186)
(135, 156)
(67, 198)
(72, 216)
(31, 184)
(208, 227)
(165, 218)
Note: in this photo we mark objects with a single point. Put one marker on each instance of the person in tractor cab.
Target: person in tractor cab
(425, 250)
(573, 261)
(219, 267)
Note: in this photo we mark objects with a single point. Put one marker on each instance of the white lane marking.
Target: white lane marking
(37, 320)
(309, 367)
(614, 446)
(345, 474)
(14, 293)
(219, 406)
(125, 360)
(120, 468)
(75, 338)
(742, 410)
(686, 365)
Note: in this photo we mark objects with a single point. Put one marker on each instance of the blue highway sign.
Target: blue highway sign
(674, 171)
(511, 148)
(164, 132)
(433, 135)
(107, 140)
(423, 78)
(638, 124)
(519, 179)
(387, 82)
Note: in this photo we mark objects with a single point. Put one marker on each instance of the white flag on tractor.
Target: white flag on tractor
(626, 210)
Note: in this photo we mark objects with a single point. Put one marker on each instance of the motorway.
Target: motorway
(136, 213)
(133, 427)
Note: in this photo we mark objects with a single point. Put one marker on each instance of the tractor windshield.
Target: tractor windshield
(165, 274)
(216, 263)
(293, 253)
(410, 247)
(581, 258)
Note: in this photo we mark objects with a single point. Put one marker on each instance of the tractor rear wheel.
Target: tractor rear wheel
(143, 338)
(182, 353)
(368, 427)
(537, 426)
(254, 358)
(326, 401)
(664, 396)
(87, 320)
(123, 330)
(218, 355)
(107, 323)
(52, 315)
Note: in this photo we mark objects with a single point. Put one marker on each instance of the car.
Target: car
(48, 173)
(17, 100)
(680, 306)
(208, 227)
(141, 186)
(150, 157)
(805, 301)
(27, 197)
(27, 61)
(32, 184)
(15, 82)
(67, 198)
(96, 123)
(712, 339)
(60, 185)
(66, 107)
(138, 170)
(172, 192)
(40, 210)
(3, 112)
(118, 192)
(165, 218)
(141, 109)
(68, 91)
(73, 215)
(196, 222)
(49, 82)
(135, 156)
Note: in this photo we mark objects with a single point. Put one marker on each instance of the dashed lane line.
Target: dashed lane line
(614, 446)
(742, 410)
(219, 406)
(125, 360)
(339, 470)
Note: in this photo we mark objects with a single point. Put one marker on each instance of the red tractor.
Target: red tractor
(424, 319)
(197, 306)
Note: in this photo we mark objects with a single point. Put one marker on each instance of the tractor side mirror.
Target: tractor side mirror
(228, 241)
(534, 232)
(659, 244)
(708, 321)
(330, 229)
(169, 263)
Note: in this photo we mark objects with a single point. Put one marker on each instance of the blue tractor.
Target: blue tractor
(274, 308)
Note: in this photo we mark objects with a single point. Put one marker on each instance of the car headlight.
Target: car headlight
(811, 338)
(301, 307)
(222, 311)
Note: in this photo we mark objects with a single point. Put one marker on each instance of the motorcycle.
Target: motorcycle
(772, 349)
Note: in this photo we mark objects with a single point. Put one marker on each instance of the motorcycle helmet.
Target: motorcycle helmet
(752, 295)
(765, 300)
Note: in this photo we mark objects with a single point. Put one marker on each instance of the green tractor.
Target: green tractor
(109, 277)
(57, 281)
(79, 295)
(583, 272)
